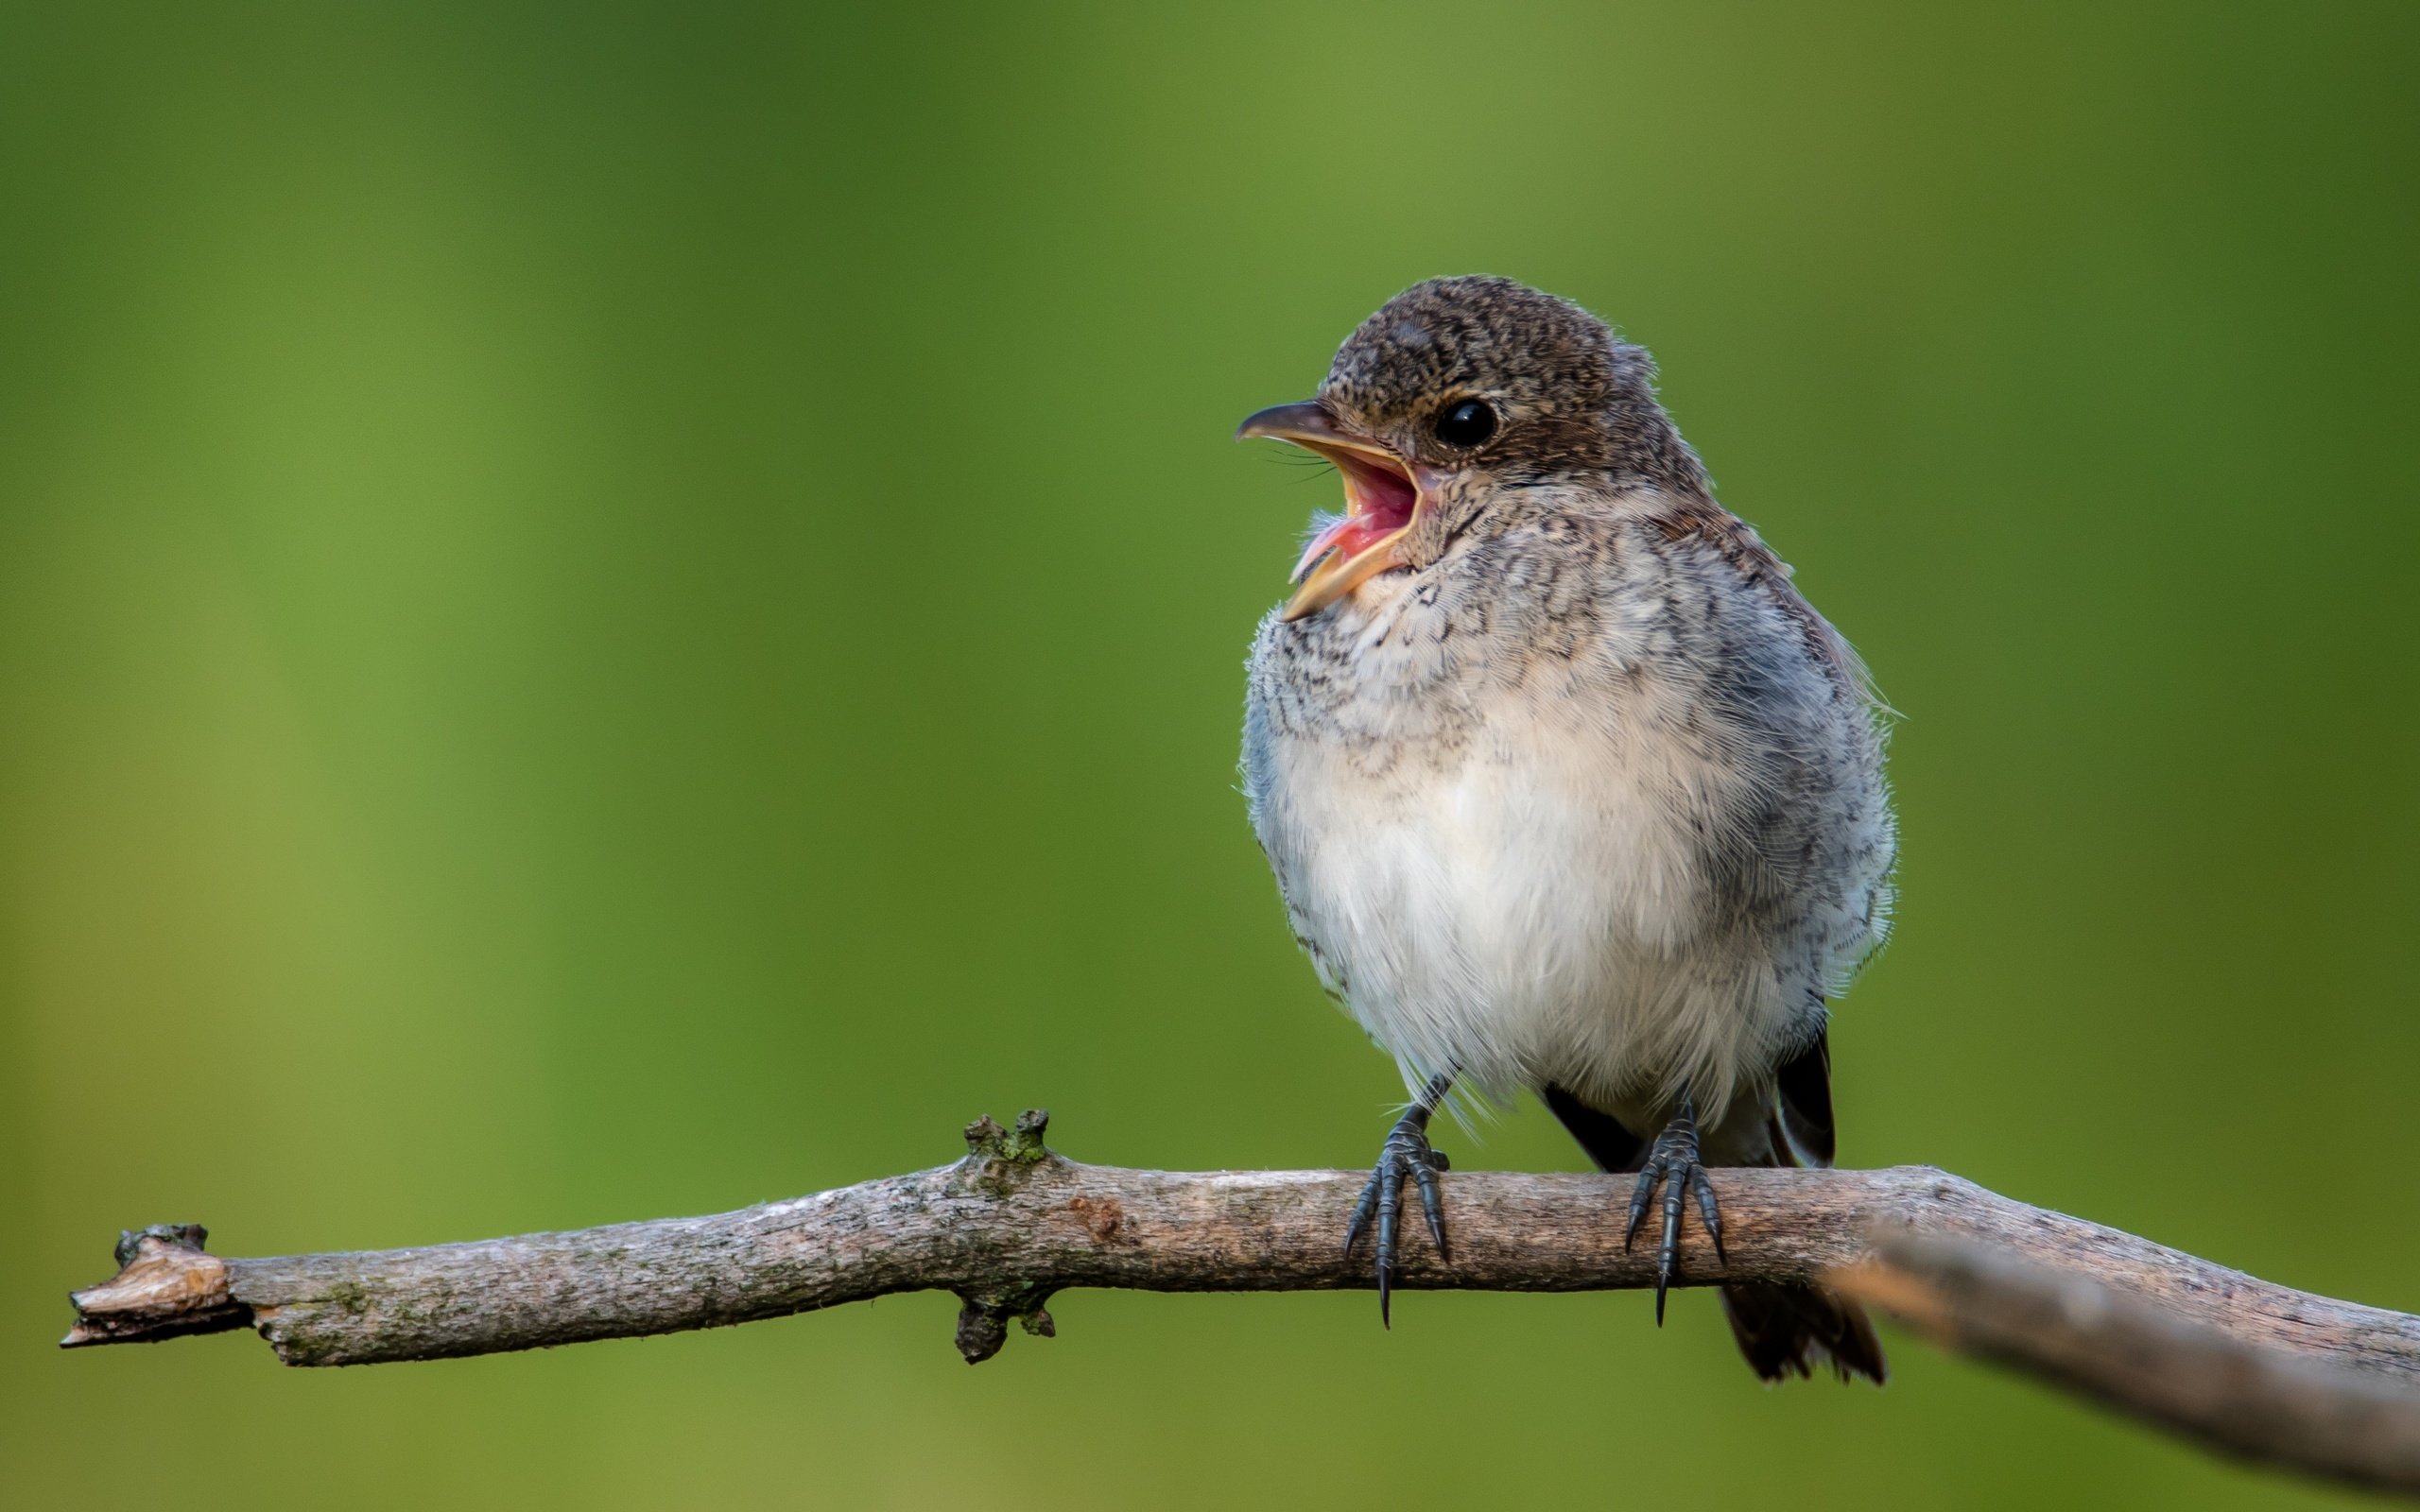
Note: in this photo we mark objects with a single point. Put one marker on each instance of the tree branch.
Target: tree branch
(2248, 1366)
(2318, 1411)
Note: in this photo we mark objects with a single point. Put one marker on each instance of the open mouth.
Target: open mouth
(1381, 501)
(1379, 498)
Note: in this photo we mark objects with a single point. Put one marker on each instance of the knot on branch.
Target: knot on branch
(998, 1160)
(167, 1285)
(1021, 1145)
(983, 1319)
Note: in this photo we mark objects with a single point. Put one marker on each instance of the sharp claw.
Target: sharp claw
(1363, 1210)
(1673, 1162)
(1389, 1235)
(1432, 1205)
(1639, 1196)
(1390, 1181)
(1405, 1154)
(1709, 1213)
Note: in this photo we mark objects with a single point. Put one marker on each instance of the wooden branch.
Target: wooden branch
(2253, 1368)
(2309, 1410)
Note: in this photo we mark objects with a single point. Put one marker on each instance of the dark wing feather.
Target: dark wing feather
(1804, 1088)
(1790, 1330)
(1612, 1146)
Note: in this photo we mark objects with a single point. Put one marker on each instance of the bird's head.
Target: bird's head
(1455, 392)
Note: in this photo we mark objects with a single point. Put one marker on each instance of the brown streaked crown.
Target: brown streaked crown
(1572, 398)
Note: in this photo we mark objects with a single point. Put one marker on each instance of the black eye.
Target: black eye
(1467, 423)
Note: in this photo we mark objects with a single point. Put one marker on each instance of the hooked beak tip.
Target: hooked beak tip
(1298, 423)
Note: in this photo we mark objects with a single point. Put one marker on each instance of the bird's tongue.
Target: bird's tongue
(1348, 532)
(1379, 504)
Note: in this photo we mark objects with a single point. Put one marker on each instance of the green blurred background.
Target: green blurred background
(611, 612)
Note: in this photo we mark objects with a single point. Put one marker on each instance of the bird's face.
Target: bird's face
(1456, 391)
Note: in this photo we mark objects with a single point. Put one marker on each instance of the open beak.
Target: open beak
(1382, 498)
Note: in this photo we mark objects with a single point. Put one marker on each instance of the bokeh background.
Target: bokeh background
(611, 612)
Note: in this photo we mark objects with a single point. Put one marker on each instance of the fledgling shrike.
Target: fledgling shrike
(1566, 786)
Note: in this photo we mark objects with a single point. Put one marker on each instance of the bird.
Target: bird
(1566, 787)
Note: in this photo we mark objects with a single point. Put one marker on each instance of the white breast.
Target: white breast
(1529, 913)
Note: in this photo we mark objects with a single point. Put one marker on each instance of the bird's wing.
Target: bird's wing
(1802, 1106)
(1607, 1140)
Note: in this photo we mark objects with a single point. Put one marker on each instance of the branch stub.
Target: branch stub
(1021, 1145)
(167, 1285)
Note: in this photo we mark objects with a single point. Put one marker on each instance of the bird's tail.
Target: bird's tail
(1793, 1331)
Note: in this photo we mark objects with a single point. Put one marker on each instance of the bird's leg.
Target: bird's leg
(1405, 1154)
(1674, 1162)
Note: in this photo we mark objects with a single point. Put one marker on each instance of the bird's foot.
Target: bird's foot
(1673, 1160)
(1406, 1153)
